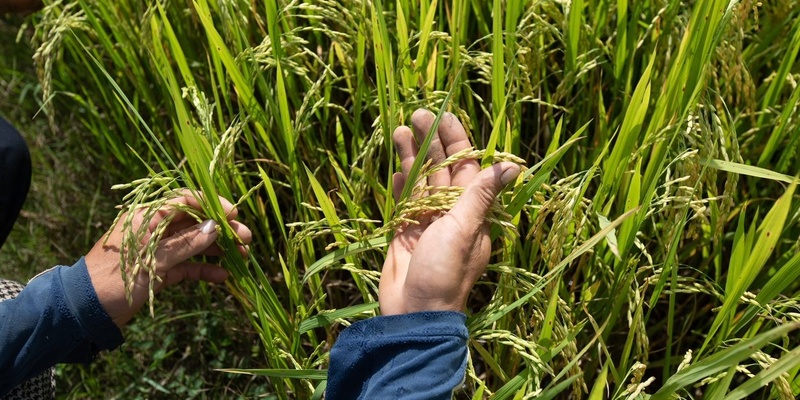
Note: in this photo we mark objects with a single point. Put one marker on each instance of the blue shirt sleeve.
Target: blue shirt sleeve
(410, 356)
(57, 318)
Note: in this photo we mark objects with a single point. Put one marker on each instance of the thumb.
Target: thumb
(479, 195)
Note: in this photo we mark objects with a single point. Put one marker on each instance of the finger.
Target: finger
(192, 198)
(216, 251)
(242, 232)
(192, 271)
(454, 139)
(177, 226)
(212, 251)
(185, 244)
(422, 121)
(180, 219)
(398, 182)
(407, 151)
(406, 148)
(474, 204)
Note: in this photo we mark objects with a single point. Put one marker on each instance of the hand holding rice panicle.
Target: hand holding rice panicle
(432, 263)
(182, 239)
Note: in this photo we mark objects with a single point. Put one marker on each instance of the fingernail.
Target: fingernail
(509, 174)
(208, 226)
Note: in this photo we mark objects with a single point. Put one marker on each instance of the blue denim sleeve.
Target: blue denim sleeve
(409, 356)
(57, 318)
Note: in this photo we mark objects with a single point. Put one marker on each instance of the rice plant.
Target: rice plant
(650, 248)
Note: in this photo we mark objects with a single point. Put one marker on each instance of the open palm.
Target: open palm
(432, 265)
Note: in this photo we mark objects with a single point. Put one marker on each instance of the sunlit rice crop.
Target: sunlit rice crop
(650, 246)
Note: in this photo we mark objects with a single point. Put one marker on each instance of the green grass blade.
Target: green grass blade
(720, 361)
(339, 254)
(313, 374)
(775, 370)
(770, 230)
(748, 170)
(328, 317)
(486, 320)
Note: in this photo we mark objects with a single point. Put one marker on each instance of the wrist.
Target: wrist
(411, 305)
(88, 308)
(109, 288)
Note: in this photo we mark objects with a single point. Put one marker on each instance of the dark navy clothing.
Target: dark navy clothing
(15, 176)
(57, 318)
(409, 356)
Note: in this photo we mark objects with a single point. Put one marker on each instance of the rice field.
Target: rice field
(649, 250)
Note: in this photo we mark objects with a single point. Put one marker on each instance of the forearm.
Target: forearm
(410, 356)
(55, 319)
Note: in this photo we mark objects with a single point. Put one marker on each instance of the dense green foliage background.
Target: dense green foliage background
(658, 237)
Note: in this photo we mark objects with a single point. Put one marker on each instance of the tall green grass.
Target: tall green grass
(658, 221)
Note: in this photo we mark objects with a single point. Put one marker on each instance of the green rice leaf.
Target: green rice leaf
(748, 170)
(770, 230)
(339, 254)
(720, 361)
(775, 370)
(313, 374)
(327, 317)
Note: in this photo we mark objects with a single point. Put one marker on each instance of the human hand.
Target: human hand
(432, 266)
(16, 6)
(184, 238)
